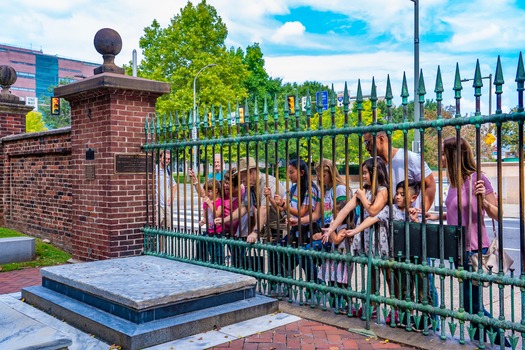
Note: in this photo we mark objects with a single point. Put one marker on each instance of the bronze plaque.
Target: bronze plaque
(131, 163)
(90, 172)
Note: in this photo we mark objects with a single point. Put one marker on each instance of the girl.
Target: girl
(338, 274)
(373, 199)
(375, 209)
(462, 177)
(212, 205)
(333, 189)
(301, 204)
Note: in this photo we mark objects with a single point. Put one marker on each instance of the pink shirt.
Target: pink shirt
(212, 229)
(451, 203)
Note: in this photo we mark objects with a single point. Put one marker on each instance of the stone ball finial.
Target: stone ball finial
(108, 43)
(7, 78)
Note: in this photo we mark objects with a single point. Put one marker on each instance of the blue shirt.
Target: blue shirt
(218, 176)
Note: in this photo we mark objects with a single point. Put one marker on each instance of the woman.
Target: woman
(462, 175)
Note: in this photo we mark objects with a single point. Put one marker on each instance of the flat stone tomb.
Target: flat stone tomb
(143, 301)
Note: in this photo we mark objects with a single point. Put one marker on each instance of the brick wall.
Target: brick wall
(109, 210)
(37, 185)
(45, 186)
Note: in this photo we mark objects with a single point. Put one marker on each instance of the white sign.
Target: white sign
(194, 133)
(303, 104)
(232, 119)
(32, 101)
(340, 99)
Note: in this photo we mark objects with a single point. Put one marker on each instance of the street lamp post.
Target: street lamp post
(490, 89)
(415, 144)
(194, 129)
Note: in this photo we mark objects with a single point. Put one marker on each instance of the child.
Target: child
(236, 216)
(338, 274)
(212, 208)
(375, 209)
(373, 198)
(400, 201)
(301, 204)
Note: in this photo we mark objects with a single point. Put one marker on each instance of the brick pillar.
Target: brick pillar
(12, 121)
(108, 112)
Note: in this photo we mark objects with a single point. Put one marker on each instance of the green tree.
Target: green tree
(55, 121)
(34, 122)
(258, 83)
(510, 135)
(44, 107)
(175, 54)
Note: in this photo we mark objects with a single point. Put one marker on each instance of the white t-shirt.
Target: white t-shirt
(328, 207)
(414, 170)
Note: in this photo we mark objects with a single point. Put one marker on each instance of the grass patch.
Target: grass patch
(45, 254)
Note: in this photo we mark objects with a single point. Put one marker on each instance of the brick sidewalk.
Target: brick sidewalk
(14, 281)
(308, 335)
(301, 335)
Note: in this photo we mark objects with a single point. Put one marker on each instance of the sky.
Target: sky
(330, 41)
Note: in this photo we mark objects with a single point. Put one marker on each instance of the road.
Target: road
(511, 239)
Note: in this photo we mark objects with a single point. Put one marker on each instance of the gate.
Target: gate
(424, 279)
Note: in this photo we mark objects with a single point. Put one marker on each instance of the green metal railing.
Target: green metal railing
(378, 285)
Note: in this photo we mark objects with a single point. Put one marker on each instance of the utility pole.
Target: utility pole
(415, 143)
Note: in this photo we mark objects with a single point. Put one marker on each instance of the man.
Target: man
(256, 183)
(398, 166)
(414, 175)
(165, 188)
(218, 168)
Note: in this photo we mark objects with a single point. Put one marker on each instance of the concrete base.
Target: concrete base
(143, 301)
(16, 249)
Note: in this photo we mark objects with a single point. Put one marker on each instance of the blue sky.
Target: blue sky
(332, 42)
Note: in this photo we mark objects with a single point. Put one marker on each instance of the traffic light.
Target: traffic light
(55, 105)
(291, 104)
(241, 115)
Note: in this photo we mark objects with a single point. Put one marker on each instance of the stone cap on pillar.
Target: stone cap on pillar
(115, 81)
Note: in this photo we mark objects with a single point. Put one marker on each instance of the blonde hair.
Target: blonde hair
(328, 166)
(466, 163)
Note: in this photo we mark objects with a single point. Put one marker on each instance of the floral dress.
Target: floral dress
(362, 239)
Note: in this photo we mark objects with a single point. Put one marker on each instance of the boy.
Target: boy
(400, 201)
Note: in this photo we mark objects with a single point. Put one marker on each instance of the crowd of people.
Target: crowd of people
(248, 204)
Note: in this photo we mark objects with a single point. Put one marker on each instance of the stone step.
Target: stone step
(18, 331)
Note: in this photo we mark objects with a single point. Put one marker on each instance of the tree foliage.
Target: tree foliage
(34, 122)
(176, 54)
(44, 107)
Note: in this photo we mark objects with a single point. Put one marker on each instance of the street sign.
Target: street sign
(340, 100)
(323, 97)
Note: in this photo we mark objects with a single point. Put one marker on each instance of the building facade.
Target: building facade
(38, 73)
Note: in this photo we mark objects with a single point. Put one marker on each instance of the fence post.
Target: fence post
(108, 112)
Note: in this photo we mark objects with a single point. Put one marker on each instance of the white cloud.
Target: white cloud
(455, 31)
(288, 33)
